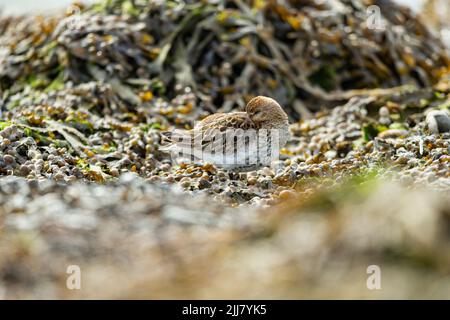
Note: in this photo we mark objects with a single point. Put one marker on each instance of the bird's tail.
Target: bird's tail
(180, 142)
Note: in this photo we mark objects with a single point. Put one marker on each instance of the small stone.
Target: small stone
(59, 176)
(4, 133)
(114, 172)
(222, 175)
(438, 121)
(265, 183)
(266, 172)
(402, 160)
(204, 184)
(165, 167)
(154, 179)
(24, 170)
(383, 112)
(170, 179)
(252, 181)
(9, 160)
(384, 121)
(185, 182)
(330, 154)
(287, 194)
(393, 133)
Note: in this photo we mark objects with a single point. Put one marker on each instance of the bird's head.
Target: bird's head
(265, 110)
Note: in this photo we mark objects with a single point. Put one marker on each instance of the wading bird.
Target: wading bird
(238, 141)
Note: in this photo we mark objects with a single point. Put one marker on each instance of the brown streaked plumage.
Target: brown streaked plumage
(266, 112)
(210, 133)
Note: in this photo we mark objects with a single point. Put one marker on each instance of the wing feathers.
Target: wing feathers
(222, 138)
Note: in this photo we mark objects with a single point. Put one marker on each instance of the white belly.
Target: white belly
(235, 149)
(252, 149)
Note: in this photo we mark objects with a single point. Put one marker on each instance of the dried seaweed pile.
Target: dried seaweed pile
(226, 51)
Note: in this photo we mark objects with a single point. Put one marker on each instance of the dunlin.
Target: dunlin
(239, 141)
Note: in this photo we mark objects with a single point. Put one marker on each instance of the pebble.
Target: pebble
(24, 170)
(9, 160)
(438, 121)
(393, 133)
(165, 167)
(59, 176)
(384, 111)
(287, 194)
(114, 172)
(154, 179)
(185, 182)
(264, 183)
(204, 184)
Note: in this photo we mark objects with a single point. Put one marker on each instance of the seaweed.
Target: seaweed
(226, 51)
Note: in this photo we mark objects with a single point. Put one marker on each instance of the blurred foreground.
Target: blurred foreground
(134, 240)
